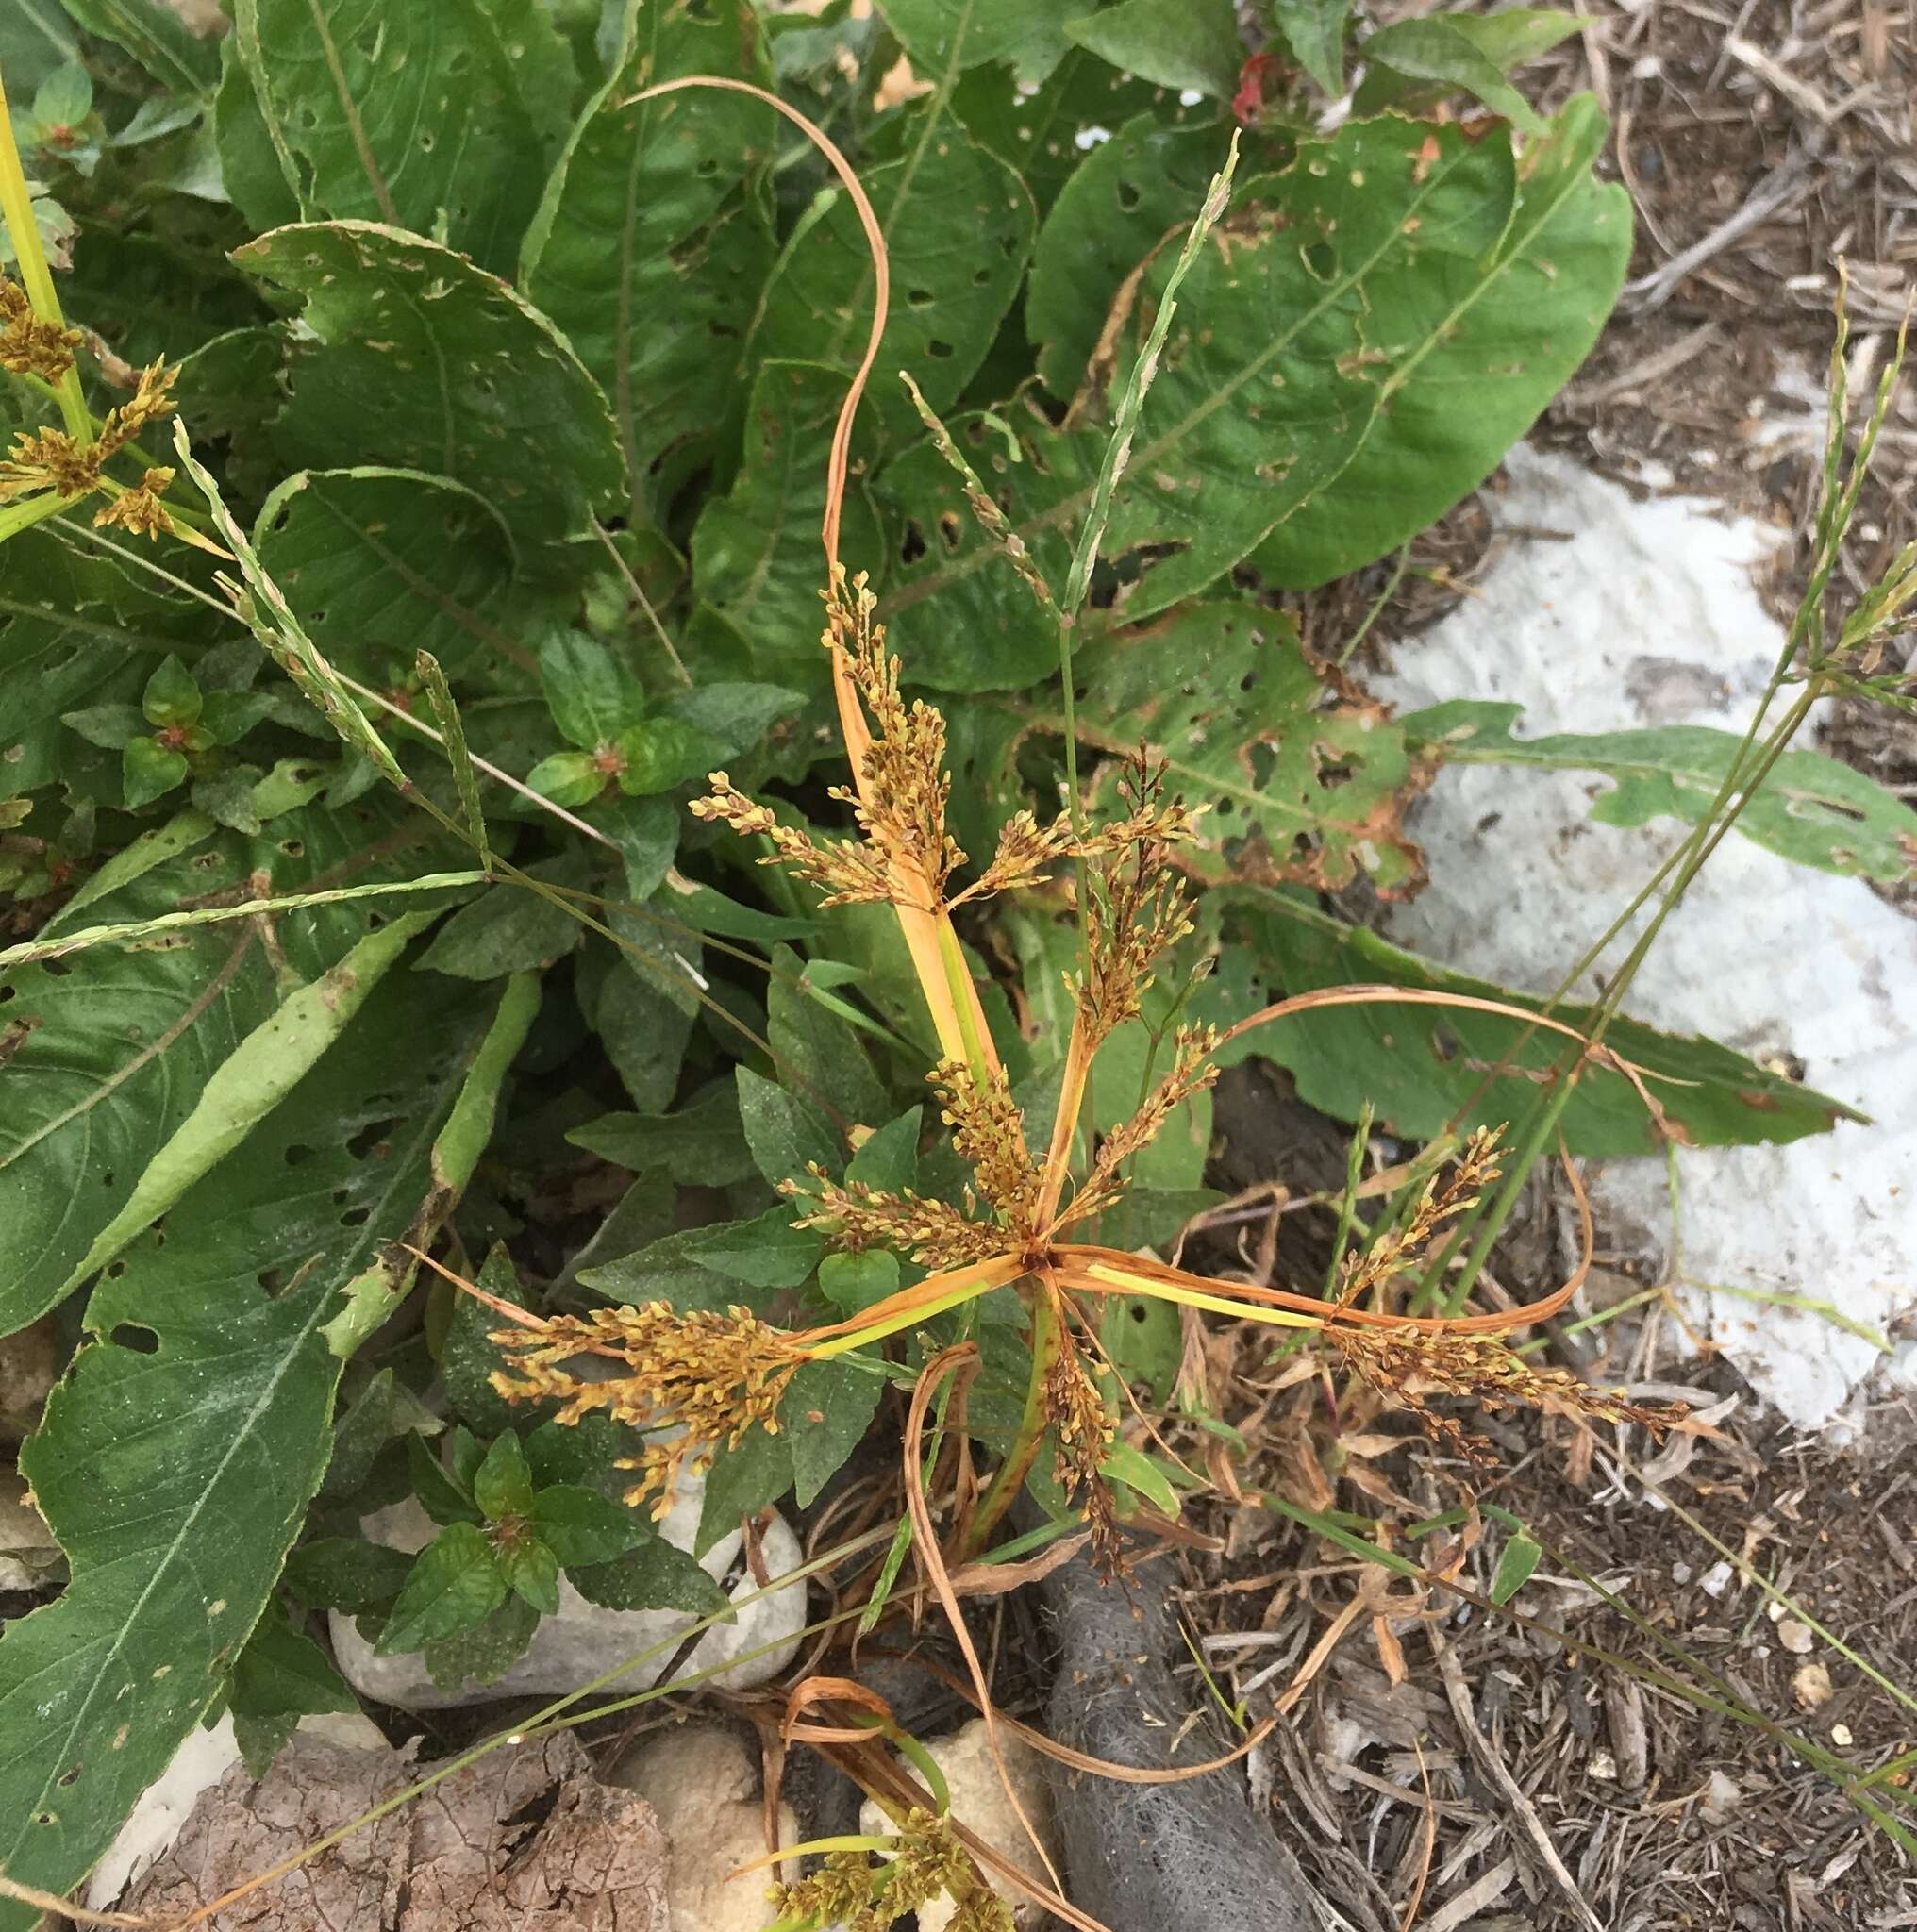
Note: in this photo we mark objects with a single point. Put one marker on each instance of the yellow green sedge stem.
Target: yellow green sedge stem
(16, 203)
(22, 516)
(1065, 1122)
(964, 999)
(1119, 1281)
(996, 1276)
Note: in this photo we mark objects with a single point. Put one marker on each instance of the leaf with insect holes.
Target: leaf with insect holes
(959, 226)
(1188, 45)
(1810, 808)
(826, 1413)
(756, 558)
(1124, 200)
(512, 415)
(434, 116)
(648, 252)
(1318, 317)
(177, 1474)
(1296, 773)
(380, 564)
(1427, 1069)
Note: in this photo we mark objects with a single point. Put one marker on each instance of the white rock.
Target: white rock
(31, 1559)
(1647, 615)
(583, 1641)
(197, 1766)
(704, 1785)
(979, 1802)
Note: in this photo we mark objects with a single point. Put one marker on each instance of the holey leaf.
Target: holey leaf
(179, 1456)
(412, 358)
(959, 226)
(1301, 777)
(380, 564)
(644, 249)
(1354, 294)
(1810, 808)
(437, 112)
(1429, 1068)
(113, 1049)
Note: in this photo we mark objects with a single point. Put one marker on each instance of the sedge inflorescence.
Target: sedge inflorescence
(924, 1862)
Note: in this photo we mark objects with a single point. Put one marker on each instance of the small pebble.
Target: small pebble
(1681, 1572)
(1840, 1734)
(1714, 1580)
(1811, 1686)
(1794, 1637)
(1603, 1765)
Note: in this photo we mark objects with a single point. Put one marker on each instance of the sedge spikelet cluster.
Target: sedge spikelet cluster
(856, 1217)
(1396, 1249)
(30, 345)
(926, 1861)
(846, 874)
(1077, 1412)
(989, 1132)
(714, 1376)
(50, 459)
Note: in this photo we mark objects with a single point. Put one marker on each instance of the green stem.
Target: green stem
(1023, 1451)
(36, 278)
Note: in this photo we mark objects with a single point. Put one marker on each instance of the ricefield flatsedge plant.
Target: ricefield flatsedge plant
(356, 913)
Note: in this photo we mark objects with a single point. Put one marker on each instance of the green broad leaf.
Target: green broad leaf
(959, 224)
(380, 564)
(1147, 182)
(1811, 809)
(178, 1459)
(465, 1453)
(655, 1576)
(1386, 251)
(346, 1573)
(1145, 1340)
(1142, 1474)
(1314, 31)
(1298, 778)
(1414, 65)
(157, 37)
(814, 1046)
(582, 1453)
(888, 1159)
(445, 1498)
(591, 689)
(1177, 44)
(786, 1134)
(469, 1356)
(735, 716)
(485, 1653)
(1516, 1562)
(641, 1020)
(945, 37)
(110, 726)
(64, 98)
(743, 1482)
(1420, 1066)
(364, 1428)
(170, 698)
(582, 1527)
(570, 778)
(282, 1673)
(508, 928)
(824, 1414)
(149, 770)
(646, 830)
(646, 250)
(502, 1485)
(852, 1283)
(434, 117)
(703, 1142)
(455, 1583)
(36, 36)
(130, 1081)
(756, 550)
(1525, 317)
(768, 1253)
(666, 1270)
(531, 1572)
(380, 308)
(249, 163)
(657, 753)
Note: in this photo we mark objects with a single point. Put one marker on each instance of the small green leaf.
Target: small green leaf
(570, 778)
(508, 928)
(1515, 1564)
(1437, 50)
(702, 1141)
(1412, 73)
(743, 1479)
(785, 1133)
(487, 1651)
(468, 1355)
(852, 1283)
(109, 727)
(656, 1575)
(888, 1159)
(149, 770)
(532, 1573)
(581, 1526)
(464, 1453)
(1314, 31)
(443, 1499)
(1176, 43)
(590, 689)
(768, 1253)
(502, 1485)
(64, 98)
(1139, 1472)
(658, 753)
(826, 1412)
(172, 697)
(282, 1673)
(455, 1583)
(346, 1573)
